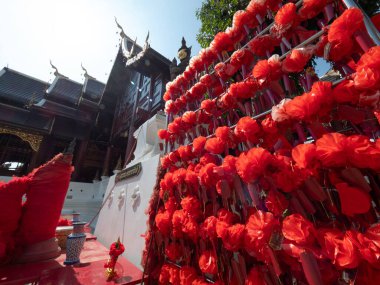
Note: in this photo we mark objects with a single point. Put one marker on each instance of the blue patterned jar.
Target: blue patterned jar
(75, 217)
(74, 244)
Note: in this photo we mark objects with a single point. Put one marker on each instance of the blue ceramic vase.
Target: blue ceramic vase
(74, 244)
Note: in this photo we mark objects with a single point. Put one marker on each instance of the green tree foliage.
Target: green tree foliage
(216, 16)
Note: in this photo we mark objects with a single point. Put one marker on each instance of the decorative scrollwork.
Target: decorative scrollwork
(130, 54)
(33, 139)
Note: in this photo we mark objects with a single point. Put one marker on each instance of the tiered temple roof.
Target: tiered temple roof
(19, 89)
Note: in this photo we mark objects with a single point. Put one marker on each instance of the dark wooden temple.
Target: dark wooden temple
(39, 120)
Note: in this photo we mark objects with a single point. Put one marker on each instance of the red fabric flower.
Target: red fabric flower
(297, 59)
(198, 145)
(176, 126)
(367, 78)
(177, 221)
(244, 18)
(208, 158)
(208, 262)
(247, 129)
(185, 153)
(269, 126)
(169, 273)
(241, 57)
(257, 8)
(171, 205)
(369, 245)
(197, 91)
(345, 25)
(331, 150)
(268, 70)
(225, 70)
(285, 19)
(225, 216)
(189, 117)
(345, 92)
(316, 103)
(228, 101)
(226, 135)
(163, 222)
(187, 275)
(209, 106)
(262, 45)
(215, 145)
(191, 179)
(222, 42)
(192, 206)
(190, 228)
(367, 74)
(207, 175)
(259, 229)
(179, 176)
(336, 150)
(163, 134)
(305, 155)
(311, 8)
(279, 113)
(227, 171)
(276, 202)
(173, 251)
(253, 164)
(208, 80)
(207, 56)
(243, 89)
(288, 178)
(116, 249)
(196, 63)
(170, 107)
(299, 230)
(233, 237)
(339, 248)
(208, 228)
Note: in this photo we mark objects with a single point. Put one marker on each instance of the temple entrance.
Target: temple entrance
(15, 155)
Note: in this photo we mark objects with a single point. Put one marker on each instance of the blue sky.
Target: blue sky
(73, 31)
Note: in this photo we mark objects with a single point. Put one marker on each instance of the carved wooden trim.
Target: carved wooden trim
(33, 139)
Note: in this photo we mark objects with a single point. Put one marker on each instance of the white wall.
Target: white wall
(121, 218)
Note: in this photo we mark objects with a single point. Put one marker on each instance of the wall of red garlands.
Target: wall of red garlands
(272, 176)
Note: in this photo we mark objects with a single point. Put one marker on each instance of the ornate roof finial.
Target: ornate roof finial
(146, 45)
(56, 72)
(122, 34)
(183, 43)
(132, 50)
(86, 75)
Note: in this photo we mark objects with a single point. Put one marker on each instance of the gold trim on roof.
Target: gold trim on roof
(33, 139)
